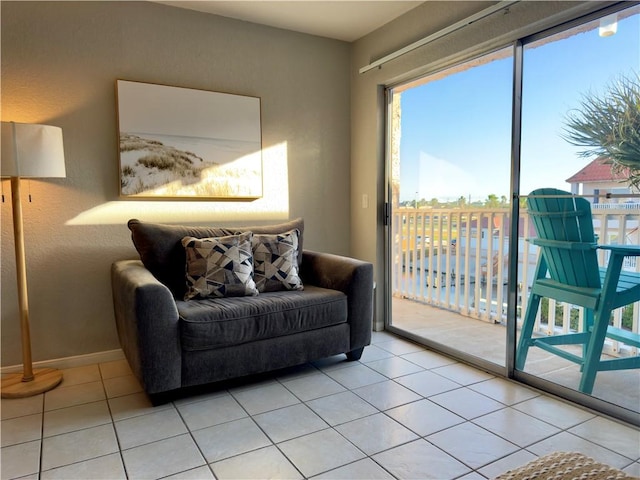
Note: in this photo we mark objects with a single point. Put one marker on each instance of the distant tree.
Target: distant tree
(492, 201)
(609, 126)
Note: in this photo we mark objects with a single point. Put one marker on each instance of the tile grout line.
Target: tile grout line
(113, 424)
(190, 432)
(41, 439)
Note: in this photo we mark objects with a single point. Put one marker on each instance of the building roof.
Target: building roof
(596, 171)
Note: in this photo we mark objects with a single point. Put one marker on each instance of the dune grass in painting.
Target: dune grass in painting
(152, 168)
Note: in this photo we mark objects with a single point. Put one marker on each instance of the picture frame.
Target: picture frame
(188, 144)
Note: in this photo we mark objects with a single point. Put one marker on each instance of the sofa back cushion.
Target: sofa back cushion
(161, 251)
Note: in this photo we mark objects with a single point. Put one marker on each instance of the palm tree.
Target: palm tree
(609, 126)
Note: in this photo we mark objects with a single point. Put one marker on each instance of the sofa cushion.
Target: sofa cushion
(219, 266)
(218, 322)
(275, 261)
(162, 253)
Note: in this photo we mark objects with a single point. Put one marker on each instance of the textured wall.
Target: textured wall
(367, 92)
(59, 64)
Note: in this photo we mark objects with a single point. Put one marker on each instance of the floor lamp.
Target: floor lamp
(28, 151)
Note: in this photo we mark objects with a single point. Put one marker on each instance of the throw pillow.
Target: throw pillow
(219, 266)
(275, 262)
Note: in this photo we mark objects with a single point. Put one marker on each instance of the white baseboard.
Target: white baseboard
(70, 362)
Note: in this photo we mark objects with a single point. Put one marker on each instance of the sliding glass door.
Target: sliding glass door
(450, 206)
(574, 81)
(459, 261)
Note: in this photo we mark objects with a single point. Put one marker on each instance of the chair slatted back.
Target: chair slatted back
(564, 227)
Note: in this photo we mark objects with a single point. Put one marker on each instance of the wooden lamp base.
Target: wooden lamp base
(44, 379)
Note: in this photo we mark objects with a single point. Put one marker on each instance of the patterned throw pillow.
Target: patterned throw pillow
(219, 266)
(275, 262)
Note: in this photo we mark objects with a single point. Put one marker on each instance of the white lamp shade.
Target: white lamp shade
(30, 150)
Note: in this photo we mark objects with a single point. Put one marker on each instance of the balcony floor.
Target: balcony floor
(488, 341)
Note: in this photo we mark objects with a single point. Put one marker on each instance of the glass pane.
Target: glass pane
(577, 75)
(450, 181)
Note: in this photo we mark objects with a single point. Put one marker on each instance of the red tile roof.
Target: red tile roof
(596, 171)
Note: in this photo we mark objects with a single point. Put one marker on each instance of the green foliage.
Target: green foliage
(574, 319)
(544, 309)
(608, 125)
(627, 317)
(573, 314)
(492, 201)
(522, 201)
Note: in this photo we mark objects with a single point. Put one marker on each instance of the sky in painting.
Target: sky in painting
(456, 131)
(186, 112)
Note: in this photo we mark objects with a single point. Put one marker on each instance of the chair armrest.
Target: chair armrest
(624, 250)
(147, 324)
(352, 277)
(543, 242)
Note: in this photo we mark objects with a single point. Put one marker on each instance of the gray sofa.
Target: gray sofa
(172, 344)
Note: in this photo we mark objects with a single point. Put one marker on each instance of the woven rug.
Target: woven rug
(565, 466)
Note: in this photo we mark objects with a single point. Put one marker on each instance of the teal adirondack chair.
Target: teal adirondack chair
(568, 271)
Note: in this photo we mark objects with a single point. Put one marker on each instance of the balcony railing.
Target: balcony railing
(457, 259)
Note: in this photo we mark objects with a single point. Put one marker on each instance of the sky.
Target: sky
(456, 131)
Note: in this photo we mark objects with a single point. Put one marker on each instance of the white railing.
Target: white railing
(616, 206)
(458, 259)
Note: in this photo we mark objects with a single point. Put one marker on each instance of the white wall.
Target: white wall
(59, 64)
(367, 100)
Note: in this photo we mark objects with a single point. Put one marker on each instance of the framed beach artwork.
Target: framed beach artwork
(181, 143)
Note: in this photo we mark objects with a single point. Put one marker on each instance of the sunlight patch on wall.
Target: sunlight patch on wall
(240, 178)
(274, 205)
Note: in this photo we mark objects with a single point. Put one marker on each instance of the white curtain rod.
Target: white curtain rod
(501, 5)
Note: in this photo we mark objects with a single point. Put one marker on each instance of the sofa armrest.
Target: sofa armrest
(352, 277)
(147, 323)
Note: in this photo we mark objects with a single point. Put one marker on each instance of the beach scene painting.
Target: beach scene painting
(182, 143)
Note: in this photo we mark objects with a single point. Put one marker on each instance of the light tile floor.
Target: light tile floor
(400, 412)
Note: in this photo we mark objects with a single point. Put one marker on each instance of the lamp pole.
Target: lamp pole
(21, 272)
(29, 382)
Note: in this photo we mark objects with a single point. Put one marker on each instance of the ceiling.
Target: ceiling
(341, 20)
